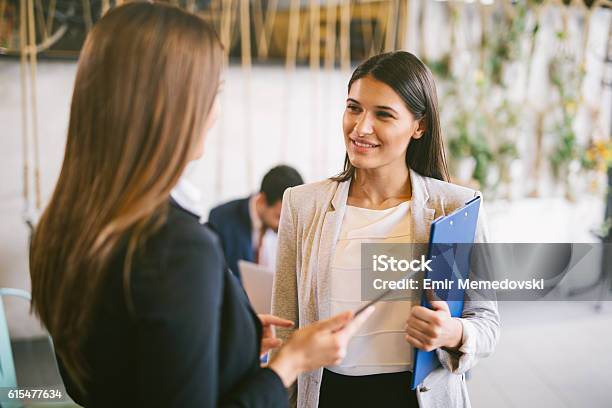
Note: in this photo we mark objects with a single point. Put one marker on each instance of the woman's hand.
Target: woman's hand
(428, 329)
(268, 337)
(317, 345)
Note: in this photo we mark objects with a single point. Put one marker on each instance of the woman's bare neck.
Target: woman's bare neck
(379, 190)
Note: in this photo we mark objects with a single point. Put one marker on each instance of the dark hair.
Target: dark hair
(277, 180)
(414, 83)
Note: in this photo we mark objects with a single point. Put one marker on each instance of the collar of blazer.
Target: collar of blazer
(422, 216)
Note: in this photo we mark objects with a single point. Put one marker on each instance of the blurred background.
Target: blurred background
(525, 92)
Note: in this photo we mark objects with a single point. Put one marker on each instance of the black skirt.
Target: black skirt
(378, 390)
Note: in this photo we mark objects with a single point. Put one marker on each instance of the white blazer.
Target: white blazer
(310, 223)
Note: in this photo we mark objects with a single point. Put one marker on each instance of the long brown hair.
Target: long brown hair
(147, 78)
(414, 83)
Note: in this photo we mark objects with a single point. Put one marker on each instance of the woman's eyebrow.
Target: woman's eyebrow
(383, 107)
(386, 108)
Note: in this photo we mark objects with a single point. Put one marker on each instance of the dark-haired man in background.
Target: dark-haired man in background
(248, 226)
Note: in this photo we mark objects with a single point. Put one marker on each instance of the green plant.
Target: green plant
(484, 124)
(441, 68)
(566, 78)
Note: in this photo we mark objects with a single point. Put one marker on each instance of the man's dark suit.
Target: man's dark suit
(232, 222)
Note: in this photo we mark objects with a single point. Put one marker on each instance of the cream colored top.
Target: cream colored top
(379, 346)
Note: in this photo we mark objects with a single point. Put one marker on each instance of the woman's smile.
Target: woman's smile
(363, 146)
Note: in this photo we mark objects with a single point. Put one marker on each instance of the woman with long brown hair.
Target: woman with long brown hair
(132, 288)
(393, 185)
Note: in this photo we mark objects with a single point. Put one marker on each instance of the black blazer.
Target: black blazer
(194, 339)
(232, 221)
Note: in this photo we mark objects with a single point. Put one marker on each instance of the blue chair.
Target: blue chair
(8, 376)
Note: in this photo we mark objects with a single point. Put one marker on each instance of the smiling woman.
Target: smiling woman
(393, 97)
(394, 183)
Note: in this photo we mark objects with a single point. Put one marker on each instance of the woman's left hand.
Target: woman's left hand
(428, 329)
(268, 338)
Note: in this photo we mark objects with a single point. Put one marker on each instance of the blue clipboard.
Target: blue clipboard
(448, 262)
